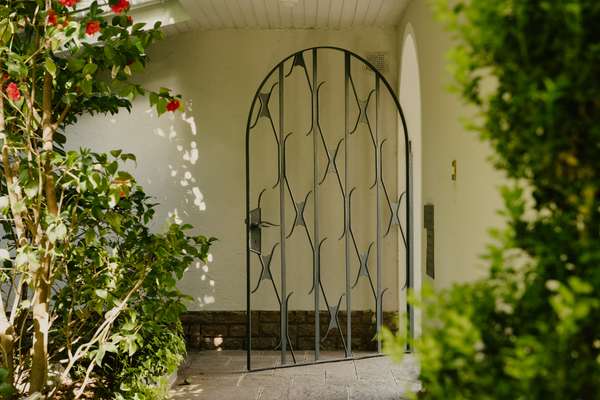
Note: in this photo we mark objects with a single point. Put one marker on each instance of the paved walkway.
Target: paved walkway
(213, 375)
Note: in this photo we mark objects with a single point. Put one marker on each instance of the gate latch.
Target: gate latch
(256, 224)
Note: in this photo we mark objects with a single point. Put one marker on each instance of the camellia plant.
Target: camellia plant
(530, 330)
(85, 285)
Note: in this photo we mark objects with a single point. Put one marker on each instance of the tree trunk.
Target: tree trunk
(41, 320)
(7, 330)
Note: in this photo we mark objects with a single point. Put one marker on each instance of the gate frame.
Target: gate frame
(410, 320)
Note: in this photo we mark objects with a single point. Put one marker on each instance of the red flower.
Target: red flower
(13, 92)
(120, 6)
(52, 18)
(68, 3)
(92, 27)
(130, 19)
(173, 105)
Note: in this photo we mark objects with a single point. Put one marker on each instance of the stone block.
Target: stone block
(237, 331)
(231, 343)
(264, 343)
(269, 316)
(229, 317)
(197, 317)
(214, 330)
(305, 343)
(306, 329)
(269, 329)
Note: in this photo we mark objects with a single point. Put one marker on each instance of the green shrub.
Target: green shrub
(530, 329)
(5, 386)
(85, 285)
(112, 258)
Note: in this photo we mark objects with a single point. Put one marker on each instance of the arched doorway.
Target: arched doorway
(327, 208)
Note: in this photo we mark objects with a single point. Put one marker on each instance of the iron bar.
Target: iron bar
(316, 237)
(282, 308)
(409, 241)
(248, 252)
(347, 72)
(379, 297)
(326, 361)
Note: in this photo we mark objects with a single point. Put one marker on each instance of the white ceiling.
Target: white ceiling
(293, 14)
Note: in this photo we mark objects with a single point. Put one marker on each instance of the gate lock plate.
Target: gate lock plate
(256, 225)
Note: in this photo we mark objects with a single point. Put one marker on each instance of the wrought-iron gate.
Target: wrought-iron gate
(273, 252)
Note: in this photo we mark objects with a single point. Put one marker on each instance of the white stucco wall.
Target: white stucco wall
(194, 163)
(466, 208)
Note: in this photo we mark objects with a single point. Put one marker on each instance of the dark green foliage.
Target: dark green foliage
(88, 301)
(531, 329)
(110, 256)
(5, 386)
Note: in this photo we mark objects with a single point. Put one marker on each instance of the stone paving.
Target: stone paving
(221, 375)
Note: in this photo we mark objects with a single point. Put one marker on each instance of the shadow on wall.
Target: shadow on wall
(182, 176)
(167, 164)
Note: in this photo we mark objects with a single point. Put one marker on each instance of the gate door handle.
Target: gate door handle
(256, 224)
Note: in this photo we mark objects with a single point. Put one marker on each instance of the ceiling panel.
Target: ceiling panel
(335, 13)
(348, 12)
(292, 14)
(224, 17)
(258, 9)
(322, 17)
(362, 9)
(373, 11)
(272, 7)
(239, 17)
(286, 14)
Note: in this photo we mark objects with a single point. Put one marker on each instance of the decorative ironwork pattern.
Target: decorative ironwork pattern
(302, 223)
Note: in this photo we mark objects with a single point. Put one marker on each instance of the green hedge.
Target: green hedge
(531, 329)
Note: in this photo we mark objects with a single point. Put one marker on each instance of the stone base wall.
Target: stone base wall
(209, 330)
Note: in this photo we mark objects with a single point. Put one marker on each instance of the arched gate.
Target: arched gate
(322, 207)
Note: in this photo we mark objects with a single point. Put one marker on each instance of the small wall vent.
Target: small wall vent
(378, 59)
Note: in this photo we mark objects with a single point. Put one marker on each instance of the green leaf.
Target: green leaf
(129, 156)
(112, 167)
(114, 220)
(86, 87)
(103, 294)
(99, 355)
(161, 106)
(109, 53)
(76, 64)
(90, 236)
(57, 232)
(89, 69)
(153, 98)
(50, 67)
(131, 347)
(138, 26)
(31, 190)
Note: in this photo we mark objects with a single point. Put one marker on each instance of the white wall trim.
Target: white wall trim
(415, 136)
